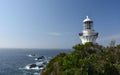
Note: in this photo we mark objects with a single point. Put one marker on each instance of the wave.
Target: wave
(35, 68)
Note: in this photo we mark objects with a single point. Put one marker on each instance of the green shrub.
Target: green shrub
(88, 59)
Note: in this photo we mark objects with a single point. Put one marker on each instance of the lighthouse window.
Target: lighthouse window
(88, 25)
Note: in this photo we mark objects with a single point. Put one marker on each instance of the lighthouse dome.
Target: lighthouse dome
(87, 19)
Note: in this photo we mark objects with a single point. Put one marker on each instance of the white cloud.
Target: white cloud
(55, 34)
(109, 38)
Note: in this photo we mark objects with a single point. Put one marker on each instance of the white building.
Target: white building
(88, 34)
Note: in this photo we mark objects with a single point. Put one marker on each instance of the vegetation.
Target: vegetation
(88, 59)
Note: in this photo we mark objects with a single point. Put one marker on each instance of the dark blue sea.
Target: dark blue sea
(13, 60)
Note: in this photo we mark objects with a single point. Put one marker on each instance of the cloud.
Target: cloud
(55, 34)
(109, 38)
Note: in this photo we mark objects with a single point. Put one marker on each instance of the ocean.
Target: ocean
(13, 61)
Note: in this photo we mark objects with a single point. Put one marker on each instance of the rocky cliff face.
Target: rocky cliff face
(53, 68)
(55, 72)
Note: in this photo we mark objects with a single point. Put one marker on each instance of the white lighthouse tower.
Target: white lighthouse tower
(88, 34)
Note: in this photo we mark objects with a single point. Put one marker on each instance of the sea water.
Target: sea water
(13, 61)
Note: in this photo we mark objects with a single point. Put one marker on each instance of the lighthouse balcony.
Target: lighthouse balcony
(96, 34)
(80, 34)
(88, 34)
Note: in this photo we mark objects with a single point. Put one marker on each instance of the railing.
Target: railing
(80, 34)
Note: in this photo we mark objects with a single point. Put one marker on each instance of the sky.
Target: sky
(56, 23)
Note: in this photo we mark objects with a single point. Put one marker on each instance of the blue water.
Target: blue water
(13, 59)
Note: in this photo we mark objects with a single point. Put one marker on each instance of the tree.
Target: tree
(112, 43)
(88, 59)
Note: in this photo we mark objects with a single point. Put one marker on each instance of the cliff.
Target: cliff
(88, 59)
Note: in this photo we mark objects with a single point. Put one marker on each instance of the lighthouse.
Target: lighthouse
(88, 33)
